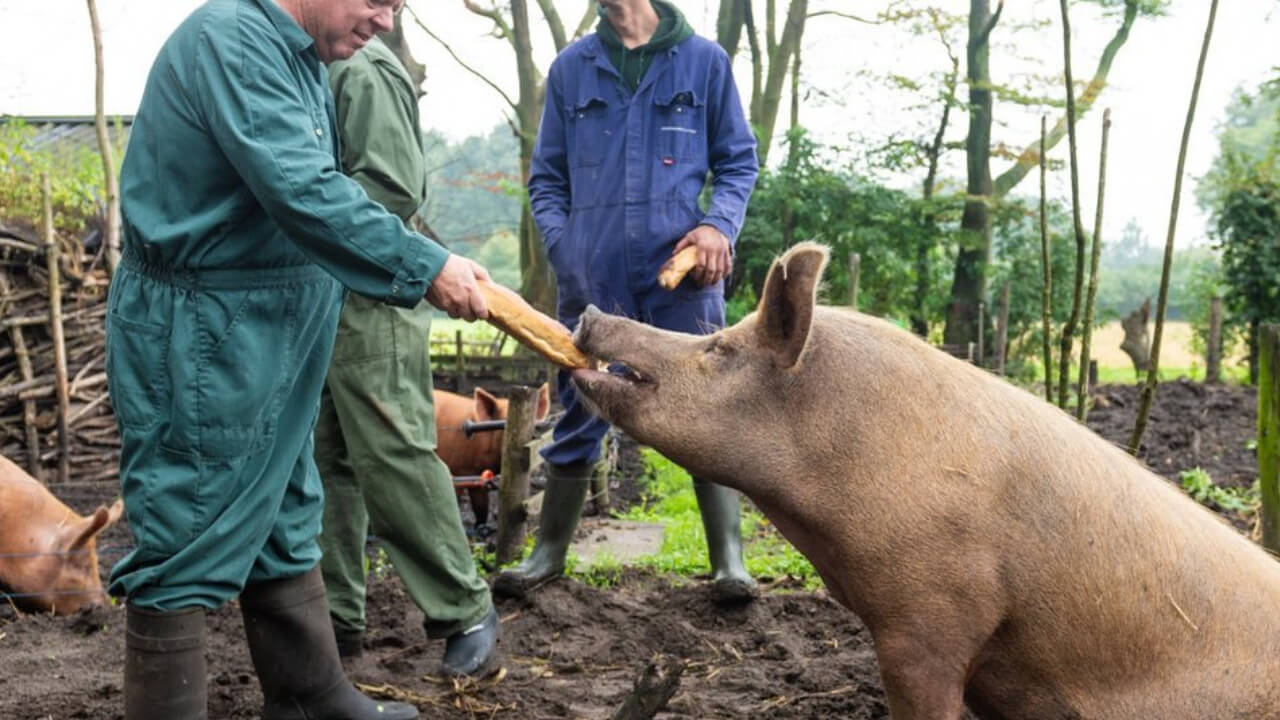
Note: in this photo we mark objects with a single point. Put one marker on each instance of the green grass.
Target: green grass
(668, 499)
(1197, 483)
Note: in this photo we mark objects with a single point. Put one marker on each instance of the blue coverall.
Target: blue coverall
(221, 318)
(614, 185)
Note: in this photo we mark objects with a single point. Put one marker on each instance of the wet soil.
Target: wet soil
(574, 651)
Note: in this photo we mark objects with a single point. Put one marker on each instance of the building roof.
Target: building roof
(71, 131)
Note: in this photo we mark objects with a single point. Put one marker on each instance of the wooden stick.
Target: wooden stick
(29, 406)
(55, 331)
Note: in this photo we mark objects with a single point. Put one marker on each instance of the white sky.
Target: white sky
(46, 68)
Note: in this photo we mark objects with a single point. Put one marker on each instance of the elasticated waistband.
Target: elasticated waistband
(223, 278)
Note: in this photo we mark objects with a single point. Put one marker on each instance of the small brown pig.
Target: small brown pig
(48, 553)
(1002, 555)
(483, 450)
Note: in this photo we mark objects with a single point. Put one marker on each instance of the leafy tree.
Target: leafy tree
(1246, 225)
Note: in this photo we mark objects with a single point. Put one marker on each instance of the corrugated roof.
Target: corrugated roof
(71, 131)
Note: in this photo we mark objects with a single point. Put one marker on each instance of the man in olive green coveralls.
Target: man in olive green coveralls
(376, 435)
(240, 231)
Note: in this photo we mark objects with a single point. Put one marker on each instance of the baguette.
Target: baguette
(674, 270)
(510, 313)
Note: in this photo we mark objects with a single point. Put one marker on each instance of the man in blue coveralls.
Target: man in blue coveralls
(240, 232)
(636, 115)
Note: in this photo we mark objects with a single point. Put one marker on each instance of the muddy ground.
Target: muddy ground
(572, 651)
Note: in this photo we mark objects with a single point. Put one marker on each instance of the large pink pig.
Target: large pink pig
(1002, 555)
(48, 553)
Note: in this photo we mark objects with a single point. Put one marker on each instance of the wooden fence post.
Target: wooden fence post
(1002, 331)
(855, 267)
(23, 356)
(981, 360)
(55, 331)
(1269, 433)
(1213, 359)
(513, 487)
(461, 387)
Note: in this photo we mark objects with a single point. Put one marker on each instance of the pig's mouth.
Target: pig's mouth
(618, 375)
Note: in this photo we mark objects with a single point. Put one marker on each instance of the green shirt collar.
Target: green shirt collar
(294, 36)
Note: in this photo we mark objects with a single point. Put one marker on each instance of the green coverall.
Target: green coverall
(221, 318)
(376, 434)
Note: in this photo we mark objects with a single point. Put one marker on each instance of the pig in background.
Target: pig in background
(48, 553)
(483, 450)
(1002, 555)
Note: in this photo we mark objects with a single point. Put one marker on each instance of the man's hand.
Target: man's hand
(714, 259)
(455, 291)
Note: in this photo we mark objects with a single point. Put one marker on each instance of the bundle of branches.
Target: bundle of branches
(33, 418)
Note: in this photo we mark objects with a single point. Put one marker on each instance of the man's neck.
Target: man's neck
(635, 21)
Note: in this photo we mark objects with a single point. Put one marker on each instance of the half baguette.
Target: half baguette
(510, 313)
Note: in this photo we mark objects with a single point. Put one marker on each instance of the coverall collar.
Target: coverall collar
(294, 36)
(595, 50)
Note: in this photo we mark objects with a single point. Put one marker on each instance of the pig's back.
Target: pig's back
(1122, 593)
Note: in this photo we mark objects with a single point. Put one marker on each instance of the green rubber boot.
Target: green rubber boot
(561, 508)
(722, 518)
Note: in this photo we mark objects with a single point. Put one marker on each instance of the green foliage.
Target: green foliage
(473, 188)
(1197, 483)
(848, 213)
(500, 255)
(1246, 225)
(668, 498)
(75, 178)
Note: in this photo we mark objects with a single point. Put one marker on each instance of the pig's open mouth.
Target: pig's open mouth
(618, 377)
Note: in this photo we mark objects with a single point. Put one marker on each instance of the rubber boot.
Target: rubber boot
(164, 665)
(722, 518)
(561, 508)
(293, 649)
(469, 653)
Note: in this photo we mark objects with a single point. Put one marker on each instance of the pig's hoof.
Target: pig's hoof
(733, 590)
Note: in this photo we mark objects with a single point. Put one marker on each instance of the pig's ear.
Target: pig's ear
(786, 306)
(544, 402)
(115, 511)
(486, 405)
(86, 529)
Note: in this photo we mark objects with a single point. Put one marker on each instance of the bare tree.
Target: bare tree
(111, 234)
(1068, 330)
(511, 25)
(1149, 390)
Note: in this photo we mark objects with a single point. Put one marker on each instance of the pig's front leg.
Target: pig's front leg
(925, 658)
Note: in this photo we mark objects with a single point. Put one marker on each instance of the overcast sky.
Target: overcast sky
(46, 67)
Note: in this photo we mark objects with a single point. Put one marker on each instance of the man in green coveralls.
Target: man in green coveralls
(240, 232)
(376, 434)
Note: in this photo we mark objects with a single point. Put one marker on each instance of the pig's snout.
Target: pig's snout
(582, 333)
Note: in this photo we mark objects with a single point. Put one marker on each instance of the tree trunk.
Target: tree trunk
(396, 42)
(1069, 329)
(779, 64)
(1086, 338)
(111, 233)
(729, 25)
(1046, 268)
(969, 283)
(924, 272)
(1153, 375)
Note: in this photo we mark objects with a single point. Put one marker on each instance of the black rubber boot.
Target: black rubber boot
(164, 665)
(561, 508)
(722, 518)
(470, 653)
(350, 641)
(291, 641)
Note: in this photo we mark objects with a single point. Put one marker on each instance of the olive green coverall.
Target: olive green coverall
(240, 231)
(376, 435)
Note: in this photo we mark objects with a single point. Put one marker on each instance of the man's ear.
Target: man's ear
(786, 305)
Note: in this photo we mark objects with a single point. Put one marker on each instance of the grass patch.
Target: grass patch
(668, 499)
(1197, 483)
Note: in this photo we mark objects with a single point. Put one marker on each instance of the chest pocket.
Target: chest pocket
(681, 126)
(590, 131)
